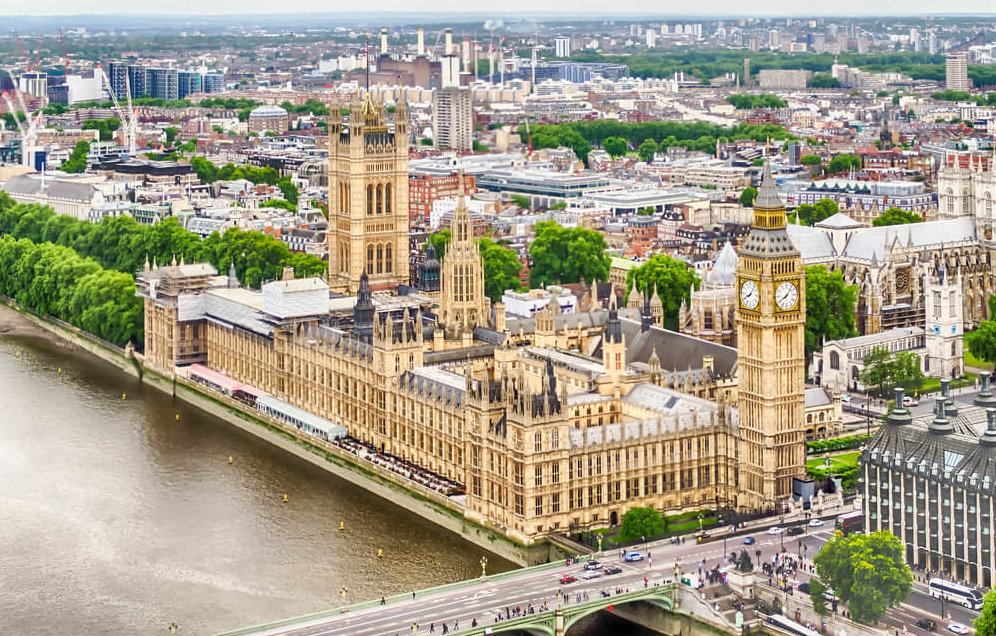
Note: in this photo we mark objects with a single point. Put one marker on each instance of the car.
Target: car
(815, 523)
(910, 401)
(926, 623)
(612, 569)
(829, 595)
(845, 397)
(796, 530)
(748, 540)
(568, 578)
(590, 574)
(775, 530)
(633, 555)
(958, 628)
(803, 587)
(592, 565)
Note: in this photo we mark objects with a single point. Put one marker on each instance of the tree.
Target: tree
(747, 196)
(288, 189)
(982, 342)
(171, 132)
(843, 163)
(811, 160)
(821, 210)
(615, 146)
(639, 523)
(822, 80)
(501, 269)
(817, 593)
(566, 255)
(885, 370)
(829, 307)
(647, 150)
(866, 571)
(670, 278)
(520, 200)
(985, 624)
(77, 159)
(439, 242)
(896, 216)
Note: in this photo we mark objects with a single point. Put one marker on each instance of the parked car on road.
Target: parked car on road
(912, 401)
(775, 530)
(612, 569)
(633, 555)
(590, 574)
(845, 397)
(958, 628)
(568, 578)
(748, 540)
(592, 565)
(815, 523)
(926, 623)
(796, 530)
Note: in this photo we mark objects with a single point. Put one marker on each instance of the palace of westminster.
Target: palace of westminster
(555, 422)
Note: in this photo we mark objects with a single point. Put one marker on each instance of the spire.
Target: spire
(767, 196)
(363, 311)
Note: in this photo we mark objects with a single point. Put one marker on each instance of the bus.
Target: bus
(956, 593)
(790, 625)
(850, 523)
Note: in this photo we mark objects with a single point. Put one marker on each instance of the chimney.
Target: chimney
(985, 397)
(420, 47)
(383, 40)
(900, 414)
(449, 41)
(288, 274)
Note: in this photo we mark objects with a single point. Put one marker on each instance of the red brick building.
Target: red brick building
(424, 190)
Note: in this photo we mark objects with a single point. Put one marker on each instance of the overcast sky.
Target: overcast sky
(502, 7)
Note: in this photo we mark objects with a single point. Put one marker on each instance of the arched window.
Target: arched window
(388, 267)
(380, 259)
(387, 199)
(989, 205)
(370, 258)
(954, 348)
(370, 199)
(834, 360)
(950, 201)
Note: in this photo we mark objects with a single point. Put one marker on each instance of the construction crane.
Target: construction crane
(24, 53)
(128, 123)
(29, 133)
(65, 55)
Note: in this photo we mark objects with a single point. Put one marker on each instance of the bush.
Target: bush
(837, 444)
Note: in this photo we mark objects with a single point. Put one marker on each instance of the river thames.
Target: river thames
(117, 518)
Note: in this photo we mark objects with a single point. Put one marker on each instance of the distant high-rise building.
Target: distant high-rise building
(932, 43)
(453, 118)
(214, 82)
(138, 79)
(746, 78)
(956, 76)
(117, 74)
(562, 46)
(163, 83)
(651, 39)
(914, 39)
(188, 83)
(34, 84)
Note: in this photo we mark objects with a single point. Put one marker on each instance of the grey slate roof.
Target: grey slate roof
(676, 351)
(60, 188)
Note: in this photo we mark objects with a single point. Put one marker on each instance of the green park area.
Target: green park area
(837, 463)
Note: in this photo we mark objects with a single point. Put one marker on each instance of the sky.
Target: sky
(567, 8)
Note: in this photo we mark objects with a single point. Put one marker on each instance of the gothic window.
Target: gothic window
(388, 261)
(380, 199)
(380, 259)
(952, 304)
(370, 199)
(387, 198)
(707, 320)
(834, 360)
(937, 304)
(370, 259)
(950, 201)
(954, 348)
(989, 205)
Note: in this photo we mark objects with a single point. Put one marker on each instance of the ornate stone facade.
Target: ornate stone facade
(368, 197)
(771, 319)
(711, 310)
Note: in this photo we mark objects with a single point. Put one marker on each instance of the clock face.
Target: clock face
(786, 296)
(749, 295)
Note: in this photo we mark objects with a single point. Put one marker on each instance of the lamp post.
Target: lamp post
(868, 416)
(484, 566)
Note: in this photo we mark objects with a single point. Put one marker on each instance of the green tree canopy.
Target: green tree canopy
(747, 197)
(824, 80)
(866, 571)
(501, 269)
(817, 593)
(566, 255)
(896, 216)
(811, 160)
(639, 523)
(811, 214)
(985, 624)
(743, 101)
(829, 307)
(440, 240)
(885, 370)
(288, 189)
(843, 163)
(615, 146)
(982, 342)
(520, 200)
(77, 158)
(670, 278)
(647, 150)
(171, 132)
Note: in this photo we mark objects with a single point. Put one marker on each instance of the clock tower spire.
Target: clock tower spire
(771, 321)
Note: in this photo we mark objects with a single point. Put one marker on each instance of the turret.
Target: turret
(363, 311)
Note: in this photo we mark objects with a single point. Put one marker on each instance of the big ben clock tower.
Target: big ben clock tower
(771, 318)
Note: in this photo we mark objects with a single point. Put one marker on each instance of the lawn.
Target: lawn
(837, 462)
(934, 384)
(972, 361)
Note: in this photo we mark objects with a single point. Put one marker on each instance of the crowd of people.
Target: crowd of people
(400, 467)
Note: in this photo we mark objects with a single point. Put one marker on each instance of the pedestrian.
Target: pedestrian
(413, 596)
(432, 628)
(383, 600)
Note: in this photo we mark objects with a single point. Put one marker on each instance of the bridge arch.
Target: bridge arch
(661, 596)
